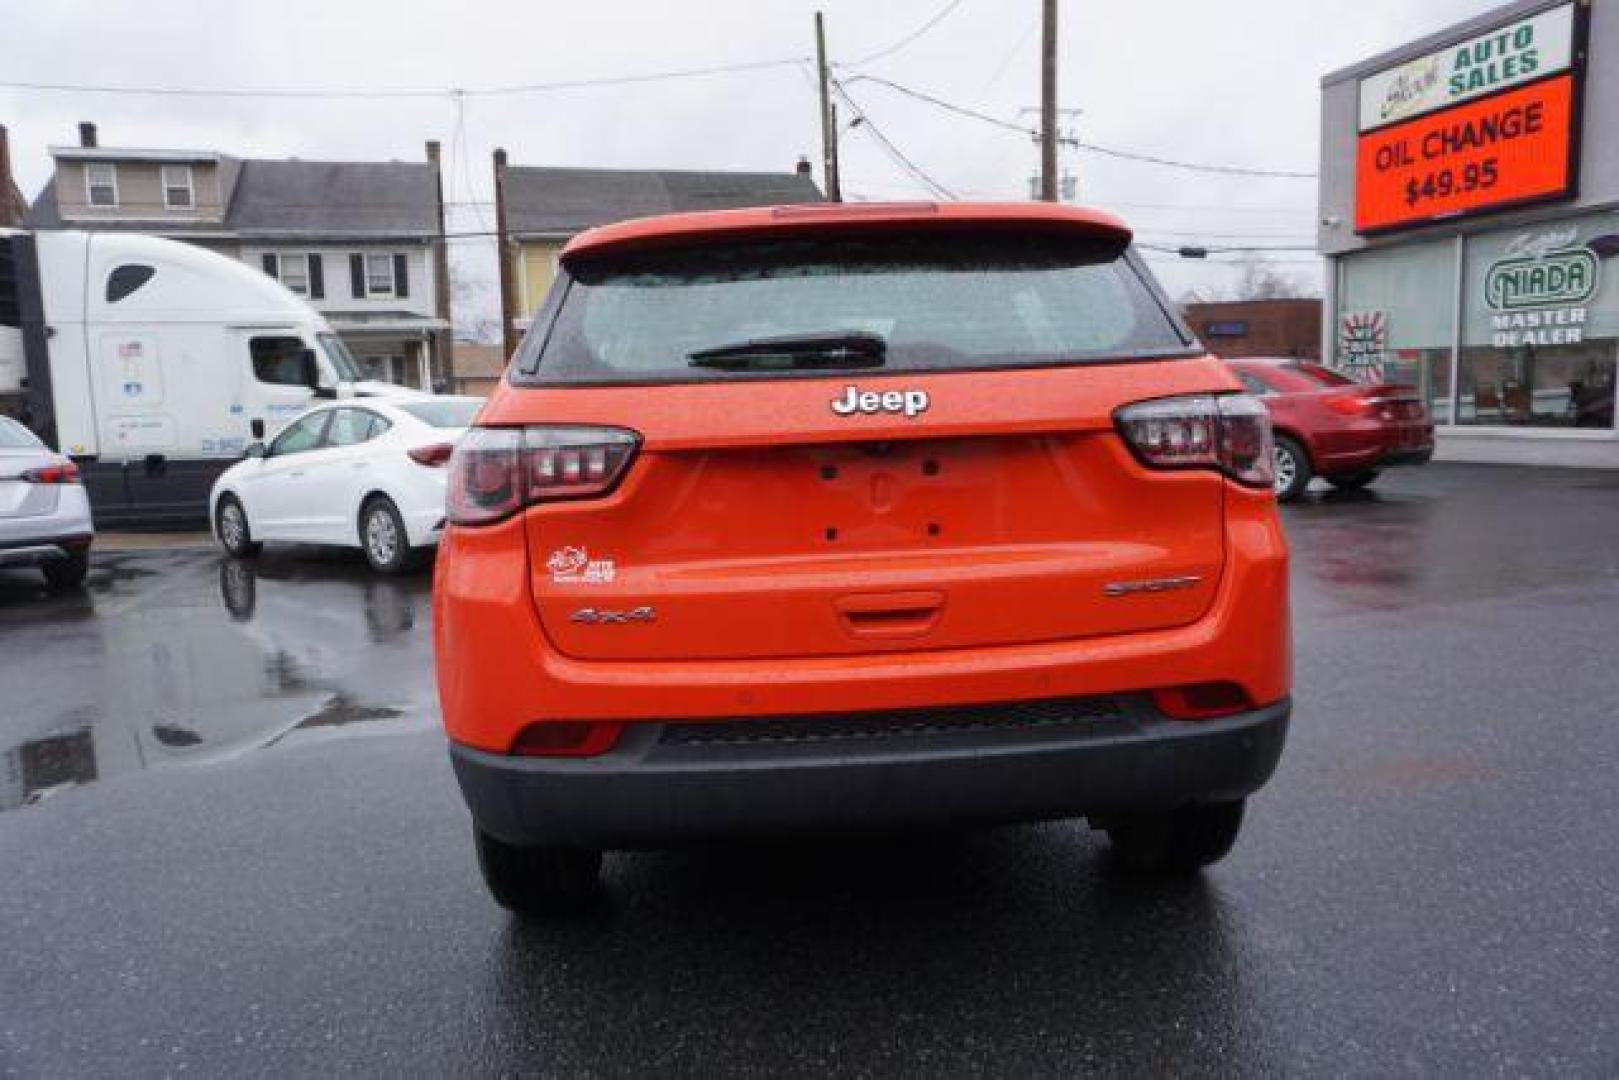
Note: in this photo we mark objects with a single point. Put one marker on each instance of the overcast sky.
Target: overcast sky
(1233, 83)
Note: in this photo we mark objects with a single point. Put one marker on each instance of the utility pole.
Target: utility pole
(508, 284)
(829, 117)
(443, 340)
(1048, 102)
(11, 205)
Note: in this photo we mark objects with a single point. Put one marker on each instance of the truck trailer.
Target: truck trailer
(154, 363)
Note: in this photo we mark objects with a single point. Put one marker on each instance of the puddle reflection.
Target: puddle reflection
(187, 658)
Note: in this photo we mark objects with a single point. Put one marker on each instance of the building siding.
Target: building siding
(339, 296)
(140, 194)
(538, 269)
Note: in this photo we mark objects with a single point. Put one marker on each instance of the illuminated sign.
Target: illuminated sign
(1520, 52)
(1512, 147)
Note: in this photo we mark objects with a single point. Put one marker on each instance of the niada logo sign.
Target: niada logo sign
(1567, 277)
(1537, 293)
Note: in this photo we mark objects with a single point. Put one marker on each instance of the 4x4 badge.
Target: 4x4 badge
(855, 400)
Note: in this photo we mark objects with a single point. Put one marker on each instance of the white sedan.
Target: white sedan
(361, 472)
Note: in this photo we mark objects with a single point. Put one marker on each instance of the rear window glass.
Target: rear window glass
(938, 302)
(444, 414)
(1318, 375)
(13, 436)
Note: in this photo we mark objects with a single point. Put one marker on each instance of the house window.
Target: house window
(301, 273)
(101, 183)
(177, 189)
(379, 275)
(295, 273)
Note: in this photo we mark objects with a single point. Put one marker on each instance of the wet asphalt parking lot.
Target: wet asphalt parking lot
(230, 842)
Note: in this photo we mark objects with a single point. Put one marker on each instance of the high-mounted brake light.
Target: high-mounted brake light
(65, 473)
(1227, 432)
(495, 472)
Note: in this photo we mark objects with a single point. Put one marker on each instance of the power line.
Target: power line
(325, 93)
(888, 146)
(1230, 249)
(1128, 155)
(938, 17)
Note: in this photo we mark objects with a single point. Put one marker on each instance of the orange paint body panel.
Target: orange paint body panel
(483, 611)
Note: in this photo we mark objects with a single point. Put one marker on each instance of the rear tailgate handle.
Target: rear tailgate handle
(891, 615)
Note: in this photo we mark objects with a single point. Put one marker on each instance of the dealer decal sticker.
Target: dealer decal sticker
(574, 566)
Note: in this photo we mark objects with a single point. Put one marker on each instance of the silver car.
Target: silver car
(44, 510)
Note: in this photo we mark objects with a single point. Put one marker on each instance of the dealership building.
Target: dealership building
(1470, 221)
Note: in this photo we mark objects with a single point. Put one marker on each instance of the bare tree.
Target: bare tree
(472, 302)
(1259, 279)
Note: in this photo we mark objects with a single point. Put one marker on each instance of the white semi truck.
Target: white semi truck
(153, 363)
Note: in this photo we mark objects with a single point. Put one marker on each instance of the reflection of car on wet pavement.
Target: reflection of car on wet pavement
(221, 658)
(798, 574)
(1333, 427)
(44, 511)
(360, 473)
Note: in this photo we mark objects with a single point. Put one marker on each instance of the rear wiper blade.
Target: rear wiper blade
(840, 349)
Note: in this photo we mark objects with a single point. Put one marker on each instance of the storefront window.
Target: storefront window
(1397, 319)
(1540, 325)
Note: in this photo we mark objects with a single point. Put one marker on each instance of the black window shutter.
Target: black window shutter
(317, 278)
(357, 275)
(271, 266)
(401, 277)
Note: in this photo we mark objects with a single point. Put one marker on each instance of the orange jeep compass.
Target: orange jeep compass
(858, 517)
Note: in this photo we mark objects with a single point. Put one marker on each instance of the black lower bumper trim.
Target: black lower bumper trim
(1419, 455)
(659, 786)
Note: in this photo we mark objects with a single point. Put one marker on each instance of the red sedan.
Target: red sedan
(1331, 426)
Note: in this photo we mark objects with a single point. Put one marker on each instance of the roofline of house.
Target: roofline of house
(652, 171)
(113, 153)
(547, 234)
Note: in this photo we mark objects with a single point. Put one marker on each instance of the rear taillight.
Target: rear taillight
(495, 472)
(1350, 405)
(568, 738)
(65, 473)
(1202, 701)
(432, 455)
(1227, 432)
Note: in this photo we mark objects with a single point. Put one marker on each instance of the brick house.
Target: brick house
(1239, 328)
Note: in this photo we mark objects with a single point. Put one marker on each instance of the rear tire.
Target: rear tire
(383, 537)
(65, 575)
(235, 535)
(1177, 843)
(1292, 468)
(1352, 481)
(539, 881)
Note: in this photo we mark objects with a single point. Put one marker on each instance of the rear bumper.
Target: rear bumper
(666, 783)
(1377, 448)
(39, 552)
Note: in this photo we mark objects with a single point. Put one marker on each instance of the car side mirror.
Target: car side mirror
(256, 450)
(256, 426)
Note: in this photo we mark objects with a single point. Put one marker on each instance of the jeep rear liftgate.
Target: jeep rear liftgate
(868, 442)
(850, 544)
